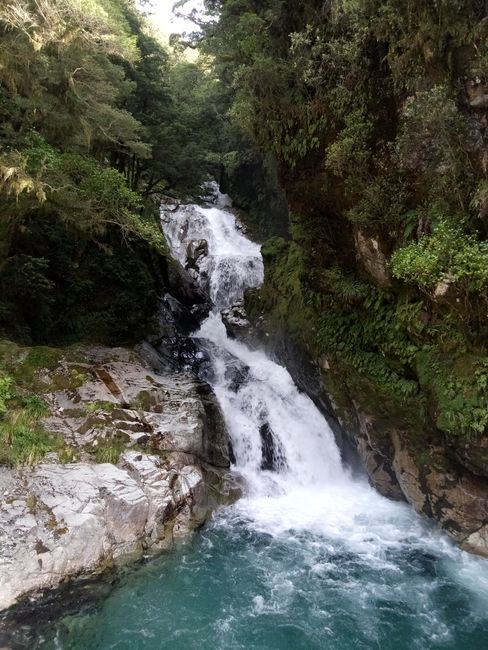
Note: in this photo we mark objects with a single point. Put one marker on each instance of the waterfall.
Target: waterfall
(284, 449)
(280, 440)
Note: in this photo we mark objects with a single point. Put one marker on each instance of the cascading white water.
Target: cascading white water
(308, 491)
(304, 446)
(233, 262)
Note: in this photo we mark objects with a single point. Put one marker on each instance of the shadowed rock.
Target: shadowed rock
(273, 458)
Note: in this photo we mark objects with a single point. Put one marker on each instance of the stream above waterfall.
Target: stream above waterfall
(311, 556)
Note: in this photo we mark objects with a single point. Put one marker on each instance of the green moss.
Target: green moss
(143, 401)
(106, 450)
(31, 503)
(94, 407)
(36, 362)
(23, 437)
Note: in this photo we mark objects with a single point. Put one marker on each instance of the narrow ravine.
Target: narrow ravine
(311, 556)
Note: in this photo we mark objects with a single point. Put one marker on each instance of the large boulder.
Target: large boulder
(195, 252)
(185, 304)
(440, 489)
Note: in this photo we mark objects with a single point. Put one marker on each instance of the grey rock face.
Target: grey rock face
(236, 322)
(195, 252)
(62, 520)
(373, 258)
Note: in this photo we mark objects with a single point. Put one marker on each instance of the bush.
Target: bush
(447, 253)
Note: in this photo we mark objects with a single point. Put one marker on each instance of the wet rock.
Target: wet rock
(439, 489)
(373, 258)
(376, 454)
(58, 520)
(195, 252)
(236, 322)
(273, 458)
(236, 375)
(181, 353)
(193, 302)
(472, 455)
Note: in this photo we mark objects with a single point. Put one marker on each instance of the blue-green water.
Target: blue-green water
(235, 586)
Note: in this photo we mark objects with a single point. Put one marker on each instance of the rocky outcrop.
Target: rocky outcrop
(440, 489)
(373, 258)
(406, 461)
(168, 450)
(376, 455)
(237, 323)
(195, 252)
(184, 305)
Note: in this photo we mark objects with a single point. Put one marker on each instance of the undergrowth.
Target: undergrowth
(394, 341)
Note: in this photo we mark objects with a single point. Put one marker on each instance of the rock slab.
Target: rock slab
(59, 521)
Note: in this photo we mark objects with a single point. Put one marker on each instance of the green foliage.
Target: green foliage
(459, 385)
(106, 450)
(448, 253)
(351, 147)
(377, 337)
(23, 439)
(94, 407)
(84, 289)
(353, 320)
(373, 113)
(5, 394)
(98, 119)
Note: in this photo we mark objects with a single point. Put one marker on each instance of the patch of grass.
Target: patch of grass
(67, 454)
(69, 379)
(23, 440)
(143, 401)
(41, 357)
(5, 392)
(107, 450)
(94, 407)
(35, 405)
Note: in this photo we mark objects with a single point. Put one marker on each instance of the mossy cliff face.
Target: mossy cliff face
(398, 438)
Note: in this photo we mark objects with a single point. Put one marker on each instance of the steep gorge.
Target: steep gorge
(371, 117)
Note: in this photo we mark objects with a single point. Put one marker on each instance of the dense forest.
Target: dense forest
(318, 345)
(98, 120)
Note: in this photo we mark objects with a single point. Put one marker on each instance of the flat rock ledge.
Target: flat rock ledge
(170, 470)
